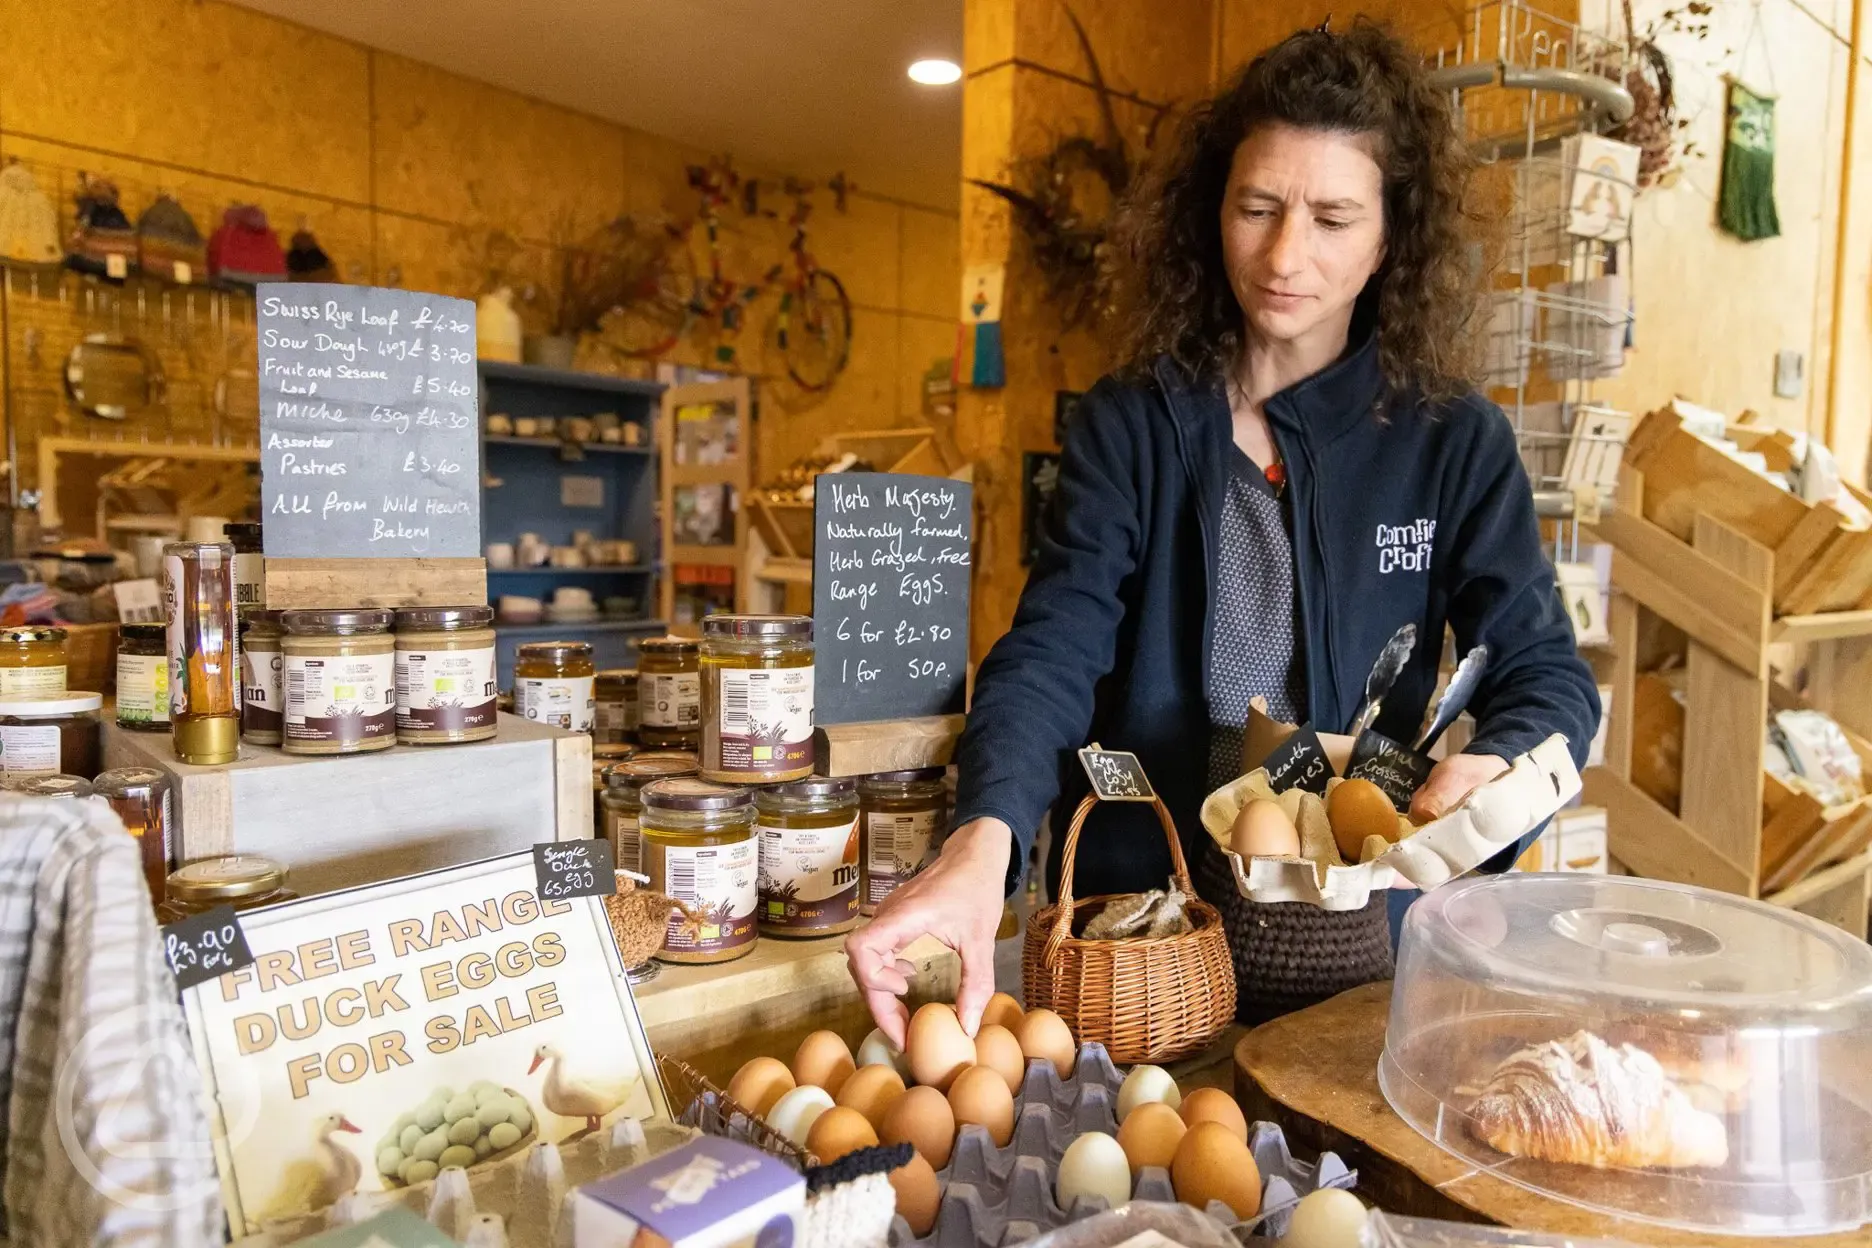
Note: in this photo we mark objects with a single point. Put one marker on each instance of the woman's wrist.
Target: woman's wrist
(986, 844)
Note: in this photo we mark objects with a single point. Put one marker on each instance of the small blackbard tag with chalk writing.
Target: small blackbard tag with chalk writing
(1116, 775)
(1299, 762)
(1400, 772)
(205, 945)
(574, 869)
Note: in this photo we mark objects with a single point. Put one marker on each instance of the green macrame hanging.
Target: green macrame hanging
(1746, 207)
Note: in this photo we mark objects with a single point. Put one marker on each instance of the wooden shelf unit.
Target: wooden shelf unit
(1738, 830)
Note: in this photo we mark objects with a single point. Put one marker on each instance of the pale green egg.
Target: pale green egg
(421, 1172)
(503, 1135)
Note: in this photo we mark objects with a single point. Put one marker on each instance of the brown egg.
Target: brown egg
(980, 1095)
(1044, 1035)
(1211, 1164)
(918, 1194)
(922, 1119)
(1149, 1136)
(839, 1131)
(936, 1046)
(997, 1049)
(1263, 830)
(1358, 809)
(759, 1083)
(871, 1090)
(1214, 1105)
(824, 1061)
(1002, 1011)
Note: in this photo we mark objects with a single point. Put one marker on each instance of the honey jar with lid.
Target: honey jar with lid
(903, 815)
(622, 801)
(757, 698)
(670, 693)
(615, 712)
(243, 881)
(555, 683)
(32, 661)
(699, 849)
(808, 833)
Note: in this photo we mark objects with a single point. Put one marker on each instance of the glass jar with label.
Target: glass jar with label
(670, 693)
(445, 685)
(699, 848)
(903, 816)
(140, 796)
(614, 718)
(249, 568)
(554, 683)
(622, 802)
(32, 661)
(263, 687)
(49, 735)
(808, 833)
(243, 881)
(204, 652)
(340, 673)
(142, 678)
(757, 698)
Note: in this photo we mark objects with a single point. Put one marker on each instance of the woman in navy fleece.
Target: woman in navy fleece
(1290, 465)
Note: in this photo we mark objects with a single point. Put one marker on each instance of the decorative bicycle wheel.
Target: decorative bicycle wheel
(814, 330)
(660, 305)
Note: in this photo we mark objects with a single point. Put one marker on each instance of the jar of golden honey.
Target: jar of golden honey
(669, 693)
(699, 849)
(808, 833)
(757, 698)
(902, 817)
(555, 683)
(32, 661)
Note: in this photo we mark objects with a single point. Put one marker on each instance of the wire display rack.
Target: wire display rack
(1526, 84)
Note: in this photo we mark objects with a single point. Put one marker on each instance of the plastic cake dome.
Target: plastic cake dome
(1647, 1050)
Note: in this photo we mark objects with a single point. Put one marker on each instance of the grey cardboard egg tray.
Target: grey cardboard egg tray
(998, 1197)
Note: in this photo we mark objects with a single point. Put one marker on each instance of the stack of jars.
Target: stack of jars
(46, 729)
(720, 810)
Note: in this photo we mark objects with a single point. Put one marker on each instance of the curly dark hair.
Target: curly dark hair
(1170, 290)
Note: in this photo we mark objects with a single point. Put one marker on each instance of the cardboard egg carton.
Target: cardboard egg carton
(997, 1197)
(1536, 785)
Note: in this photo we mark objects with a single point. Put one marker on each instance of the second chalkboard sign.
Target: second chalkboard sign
(891, 556)
(370, 440)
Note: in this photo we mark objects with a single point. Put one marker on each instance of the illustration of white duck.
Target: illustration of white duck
(577, 1094)
(330, 1172)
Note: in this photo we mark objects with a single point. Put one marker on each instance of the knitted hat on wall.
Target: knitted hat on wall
(168, 243)
(306, 261)
(243, 251)
(102, 241)
(28, 221)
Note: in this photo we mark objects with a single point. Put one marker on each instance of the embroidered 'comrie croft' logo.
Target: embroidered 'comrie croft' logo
(1405, 547)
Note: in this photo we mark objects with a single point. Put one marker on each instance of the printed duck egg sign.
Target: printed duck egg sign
(385, 1032)
(370, 439)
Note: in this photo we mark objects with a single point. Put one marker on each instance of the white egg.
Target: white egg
(877, 1051)
(1328, 1218)
(794, 1113)
(1147, 1083)
(1094, 1165)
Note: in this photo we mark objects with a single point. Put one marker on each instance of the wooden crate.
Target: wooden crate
(339, 822)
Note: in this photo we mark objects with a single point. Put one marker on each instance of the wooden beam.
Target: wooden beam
(303, 583)
(1821, 882)
(1690, 609)
(1655, 843)
(1824, 626)
(887, 745)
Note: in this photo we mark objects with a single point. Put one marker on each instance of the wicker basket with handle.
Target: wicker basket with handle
(1144, 1000)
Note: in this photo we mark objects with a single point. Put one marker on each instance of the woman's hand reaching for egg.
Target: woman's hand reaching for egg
(1451, 782)
(956, 899)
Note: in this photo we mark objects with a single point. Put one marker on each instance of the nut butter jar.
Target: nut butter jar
(445, 687)
(340, 681)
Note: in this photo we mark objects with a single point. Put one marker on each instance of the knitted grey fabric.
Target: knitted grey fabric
(1292, 955)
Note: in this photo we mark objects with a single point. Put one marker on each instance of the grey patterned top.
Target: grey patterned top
(1256, 619)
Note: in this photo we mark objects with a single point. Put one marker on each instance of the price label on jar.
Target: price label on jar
(574, 869)
(891, 559)
(205, 945)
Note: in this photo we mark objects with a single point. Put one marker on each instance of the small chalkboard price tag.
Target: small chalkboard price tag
(206, 945)
(1400, 772)
(1299, 763)
(574, 869)
(1116, 775)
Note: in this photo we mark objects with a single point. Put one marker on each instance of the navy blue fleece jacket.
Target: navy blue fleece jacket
(1400, 512)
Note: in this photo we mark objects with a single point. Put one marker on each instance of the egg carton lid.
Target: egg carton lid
(1536, 785)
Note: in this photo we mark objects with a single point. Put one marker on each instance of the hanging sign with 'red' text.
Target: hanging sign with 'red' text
(370, 440)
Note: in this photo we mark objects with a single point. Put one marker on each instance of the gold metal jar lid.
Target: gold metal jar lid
(675, 646)
(26, 635)
(226, 879)
(685, 793)
(919, 775)
(341, 622)
(557, 651)
(758, 627)
(443, 619)
(632, 774)
(618, 675)
(130, 782)
(48, 786)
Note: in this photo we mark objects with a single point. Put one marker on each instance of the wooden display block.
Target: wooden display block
(304, 583)
(865, 749)
(339, 822)
(717, 1017)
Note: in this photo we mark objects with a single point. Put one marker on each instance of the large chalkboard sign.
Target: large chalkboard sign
(370, 440)
(890, 595)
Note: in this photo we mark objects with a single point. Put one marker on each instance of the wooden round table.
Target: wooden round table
(1315, 1073)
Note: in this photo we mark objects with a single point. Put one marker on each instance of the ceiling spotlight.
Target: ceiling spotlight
(935, 73)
